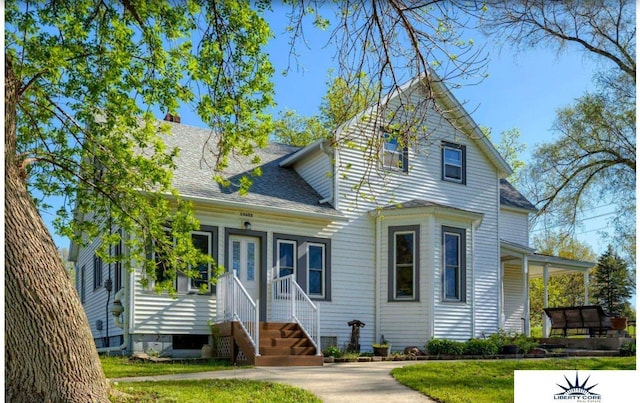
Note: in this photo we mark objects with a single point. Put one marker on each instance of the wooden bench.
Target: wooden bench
(588, 318)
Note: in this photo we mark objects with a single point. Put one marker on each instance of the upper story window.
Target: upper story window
(454, 164)
(394, 155)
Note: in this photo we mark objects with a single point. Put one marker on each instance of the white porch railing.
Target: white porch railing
(234, 304)
(289, 303)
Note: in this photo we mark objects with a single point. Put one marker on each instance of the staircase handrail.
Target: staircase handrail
(235, 304)
(300, 310)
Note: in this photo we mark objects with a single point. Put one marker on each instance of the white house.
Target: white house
(421, 242)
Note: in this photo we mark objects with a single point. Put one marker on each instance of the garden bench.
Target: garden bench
(588, 318)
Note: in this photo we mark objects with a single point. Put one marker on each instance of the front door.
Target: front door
(244, 253)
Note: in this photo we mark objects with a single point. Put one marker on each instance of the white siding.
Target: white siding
(190, 314)
(317, 171)
(409, 322)
(95, 304)
(514, 227)
(513, 299)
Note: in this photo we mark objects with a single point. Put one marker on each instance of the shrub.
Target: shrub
(524, 343)
(481, 347)
(332, 351)
(628, 349)
(444, 347)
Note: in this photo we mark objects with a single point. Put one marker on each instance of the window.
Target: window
(97, 272)
(453, 162)
(393, 156)
(202, 242)
(404, 246)
(315, 264)
(117, 278)
(453, 270)
(286, 263)
(308, 259)
(81, 286)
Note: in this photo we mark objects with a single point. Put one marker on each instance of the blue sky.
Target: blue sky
(523, 90)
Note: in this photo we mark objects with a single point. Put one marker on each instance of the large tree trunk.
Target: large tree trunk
(50, 354)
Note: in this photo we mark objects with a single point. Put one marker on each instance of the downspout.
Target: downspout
(378, 277)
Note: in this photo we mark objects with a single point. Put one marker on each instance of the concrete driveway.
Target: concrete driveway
(355, 382)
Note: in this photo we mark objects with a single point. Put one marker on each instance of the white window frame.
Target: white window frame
(295, 257)
(397, 297)
(323, 270)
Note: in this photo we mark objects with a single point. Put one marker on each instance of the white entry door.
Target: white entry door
(244, 253)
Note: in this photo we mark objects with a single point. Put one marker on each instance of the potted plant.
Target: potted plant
(381, 349)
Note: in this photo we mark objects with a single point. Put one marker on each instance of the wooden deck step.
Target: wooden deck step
(285, 344)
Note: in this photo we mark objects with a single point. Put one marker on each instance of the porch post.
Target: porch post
(545, 303)
(525, 288)
(586, 287)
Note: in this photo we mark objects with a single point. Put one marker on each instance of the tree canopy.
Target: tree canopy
(613, 283)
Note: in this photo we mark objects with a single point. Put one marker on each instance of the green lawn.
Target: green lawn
(215, 390)
(121, 367)
(489, 381)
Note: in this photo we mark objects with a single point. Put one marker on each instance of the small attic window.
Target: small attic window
(394, 156)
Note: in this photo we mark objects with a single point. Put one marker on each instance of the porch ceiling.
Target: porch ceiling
(513, 254)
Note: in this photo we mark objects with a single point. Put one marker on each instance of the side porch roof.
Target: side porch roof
(536, 262)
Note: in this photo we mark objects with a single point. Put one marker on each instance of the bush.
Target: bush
(628, 349)
(524, 343)
(481, 347)
(502, 338)
(444, 347)
(332, 351)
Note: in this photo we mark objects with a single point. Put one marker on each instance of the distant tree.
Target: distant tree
(613, 283)
(511, 149)
(343, 100)
(564, 289)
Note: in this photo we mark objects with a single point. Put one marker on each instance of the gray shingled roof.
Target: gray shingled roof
(278, 187)
(509, 196)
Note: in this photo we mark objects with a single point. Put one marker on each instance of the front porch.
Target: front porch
(520, 264)
(289, 337)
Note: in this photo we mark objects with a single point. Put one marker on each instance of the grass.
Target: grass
(215, 390)
(121, 367)
(489, 381)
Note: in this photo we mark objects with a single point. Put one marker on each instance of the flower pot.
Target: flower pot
(381, 351)
(619, 323)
